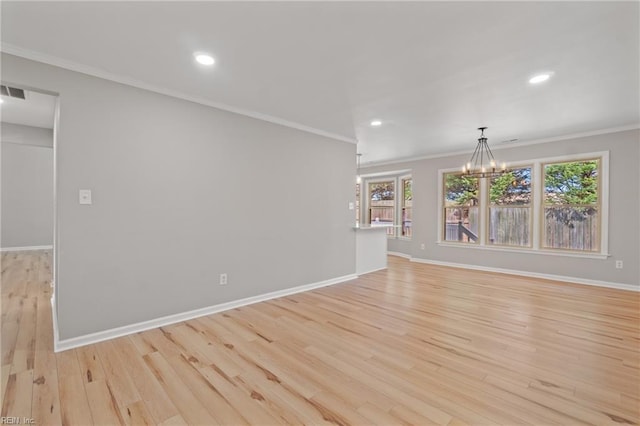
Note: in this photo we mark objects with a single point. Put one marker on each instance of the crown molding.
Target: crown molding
(499, 146)
(129, 81)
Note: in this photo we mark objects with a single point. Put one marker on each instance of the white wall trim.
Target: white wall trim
(26, 248)
(398, 254)
(74, 342)
(574, 280)
(373, 270)
(96, 72)
(54, 318)
(393, 173)
(507, 249)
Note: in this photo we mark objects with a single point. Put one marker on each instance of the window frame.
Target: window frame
(358, 204)
(537, 206)
(529, 206)
(367, 211)
(401, 207)
(397, 177)
(442, 219)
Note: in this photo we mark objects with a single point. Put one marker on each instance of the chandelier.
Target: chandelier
(482, 164)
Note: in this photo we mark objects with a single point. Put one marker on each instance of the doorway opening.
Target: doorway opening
(28, 131)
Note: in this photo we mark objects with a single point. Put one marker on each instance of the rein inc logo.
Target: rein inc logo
(17, 421)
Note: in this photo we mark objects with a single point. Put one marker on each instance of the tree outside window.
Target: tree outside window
(510, 208)
(461, 208)
(571, 205)
(382, 205)
(566, 212)
(407, 207)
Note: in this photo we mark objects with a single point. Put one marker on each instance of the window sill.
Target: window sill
(525, 250)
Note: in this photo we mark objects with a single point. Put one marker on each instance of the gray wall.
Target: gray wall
(27, 196)
(181, 193)
(624, 200)
(18, 133)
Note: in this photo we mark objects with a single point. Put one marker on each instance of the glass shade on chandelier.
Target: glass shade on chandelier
(482, 163)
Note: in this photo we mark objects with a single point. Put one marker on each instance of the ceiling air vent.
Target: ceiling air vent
(12, 91)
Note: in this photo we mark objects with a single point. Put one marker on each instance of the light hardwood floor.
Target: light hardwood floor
(415, 344)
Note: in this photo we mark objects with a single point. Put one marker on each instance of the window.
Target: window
(357, 203)
(387, 200)
(407, 205)
(510, 208)
(382, 204)
(571, 209)
(553, 205)
(460, 208)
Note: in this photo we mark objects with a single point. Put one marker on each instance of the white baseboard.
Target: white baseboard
(574, 280)
(54, 318)
(398, 254)
(26, 248)
(372, 270)
(62, 345)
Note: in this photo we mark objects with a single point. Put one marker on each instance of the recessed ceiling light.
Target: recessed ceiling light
(539, 78)
(204, 59)
(376, 123)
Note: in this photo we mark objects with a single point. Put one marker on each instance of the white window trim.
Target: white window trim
(365, 198)
(537, 192)
(532, 227)
(401, 205)
(527, 250)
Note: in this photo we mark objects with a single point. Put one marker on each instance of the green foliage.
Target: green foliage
(513, 187)
(381, 191)
(408, 193)
(500, 187)
(461, 190)
(571, 183)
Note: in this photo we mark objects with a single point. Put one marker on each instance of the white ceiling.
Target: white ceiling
(431, 71)
(36, 110)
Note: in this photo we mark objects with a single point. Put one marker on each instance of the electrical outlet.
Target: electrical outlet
(619, 264)
(84, 196)
(422, 246)
(223, 279)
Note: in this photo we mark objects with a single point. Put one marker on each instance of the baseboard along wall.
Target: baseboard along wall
(26, 248)
(573, 280)
(65, 344)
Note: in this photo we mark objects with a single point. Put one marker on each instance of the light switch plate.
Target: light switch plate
(84, 196)
(351, 206)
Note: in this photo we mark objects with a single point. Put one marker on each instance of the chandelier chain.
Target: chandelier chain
(476, 166)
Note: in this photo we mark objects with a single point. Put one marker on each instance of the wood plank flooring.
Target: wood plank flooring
(415, 344)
